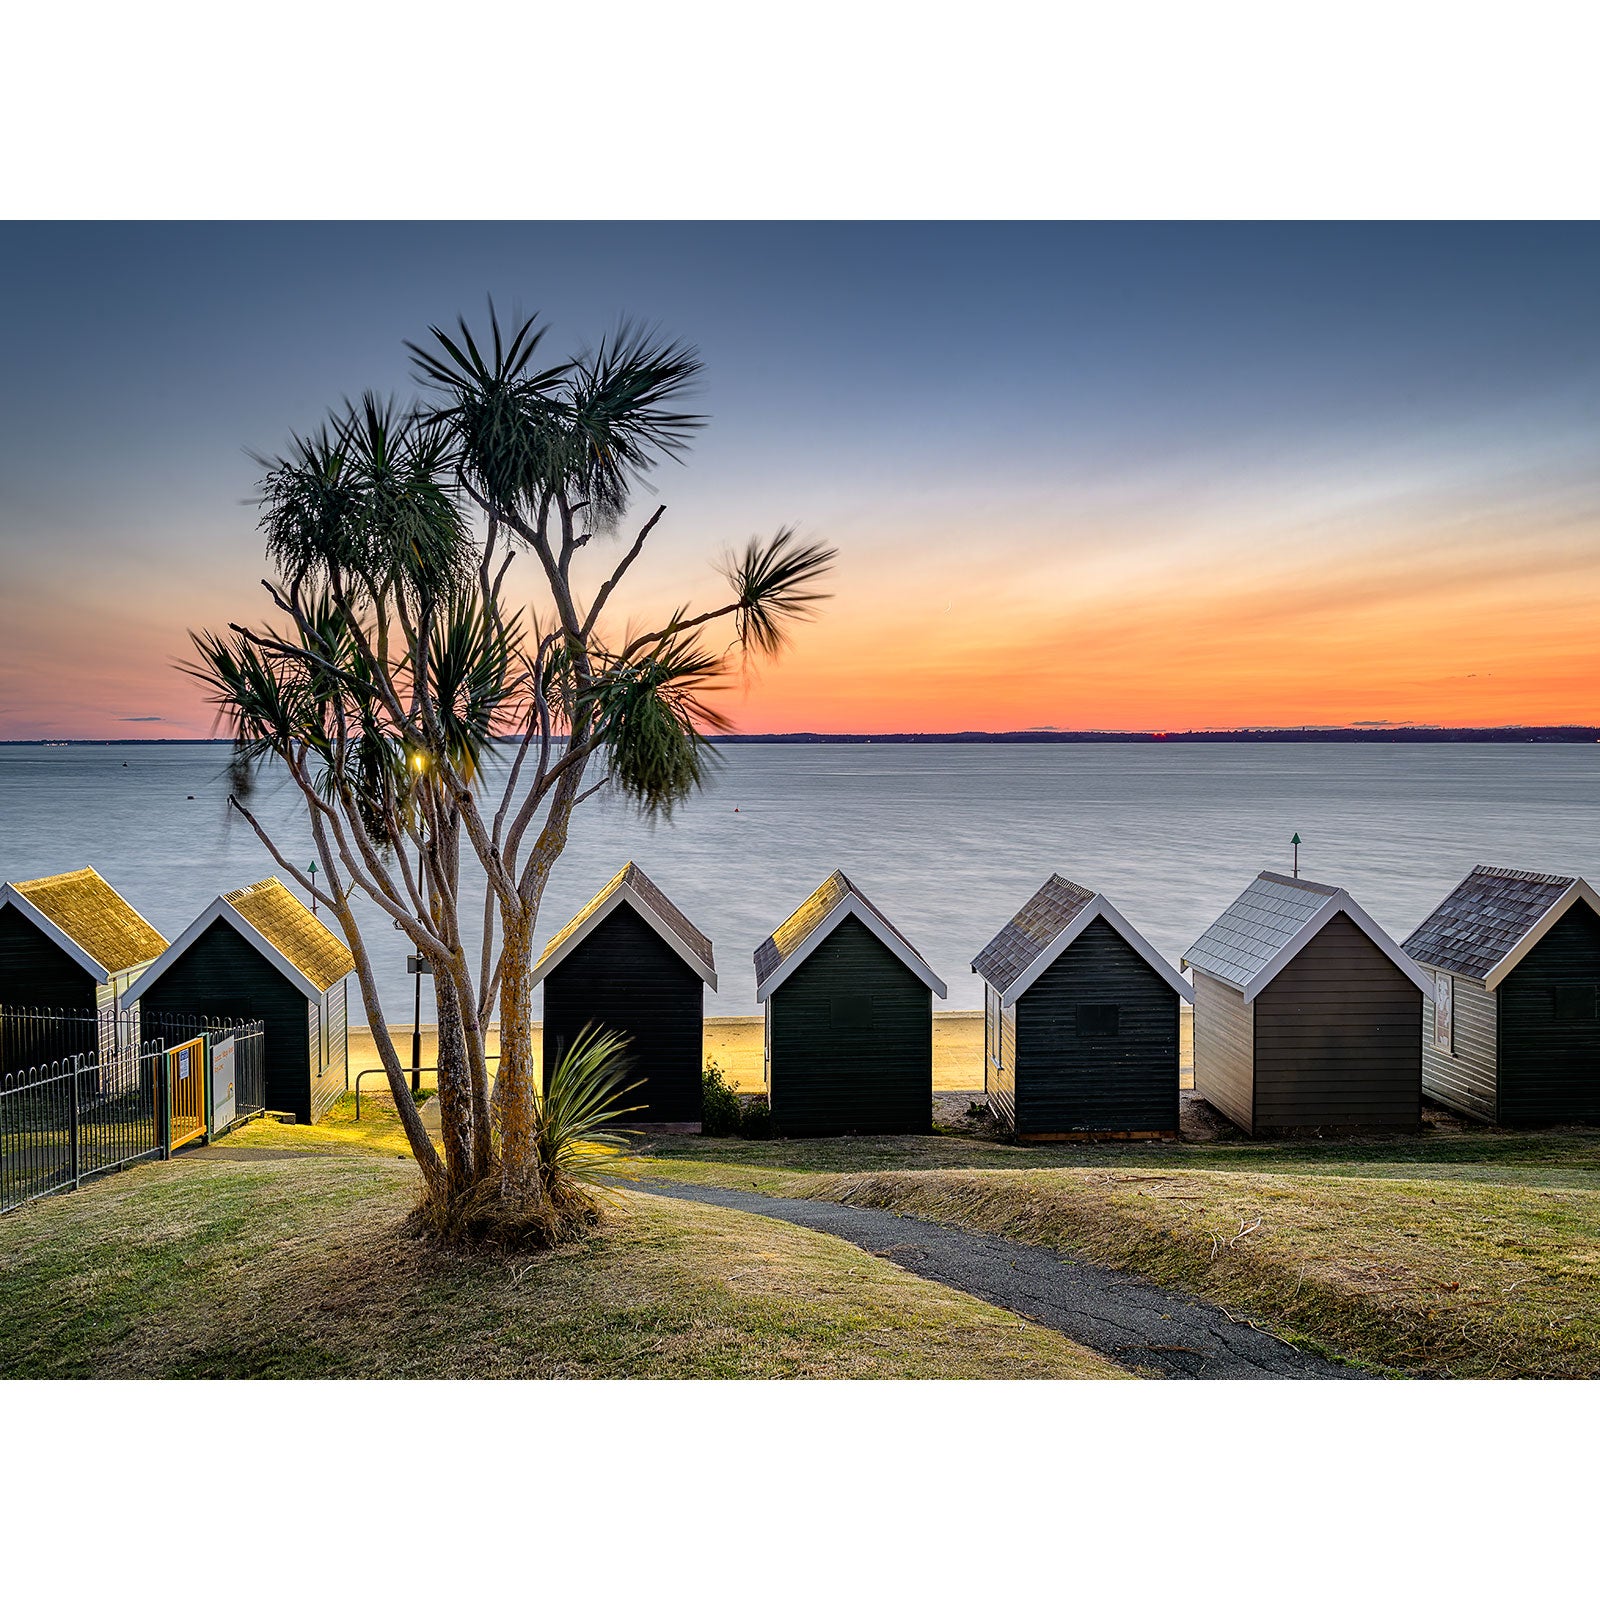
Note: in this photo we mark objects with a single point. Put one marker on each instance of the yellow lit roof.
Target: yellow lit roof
(95, 917)
(294, 932)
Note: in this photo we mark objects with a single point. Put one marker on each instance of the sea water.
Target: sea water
(947, 840)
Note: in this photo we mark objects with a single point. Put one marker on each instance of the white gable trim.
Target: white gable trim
(1098, 907)
(11, 896)
(1503, 968)
(852, 905)
(1319, 919)
(626, 894)
(252, 936)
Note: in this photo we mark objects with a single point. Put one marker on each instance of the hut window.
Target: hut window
(851, 1013)
(1575, 1002)
(1098, 1022)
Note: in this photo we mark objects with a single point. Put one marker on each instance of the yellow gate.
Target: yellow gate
(186, 1092)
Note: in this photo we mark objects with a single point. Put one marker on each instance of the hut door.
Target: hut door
(186, 1093)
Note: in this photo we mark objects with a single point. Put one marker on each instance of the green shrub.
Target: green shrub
(755, 1121)
(719, 1112)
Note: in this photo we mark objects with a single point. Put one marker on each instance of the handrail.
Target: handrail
(367, 1072)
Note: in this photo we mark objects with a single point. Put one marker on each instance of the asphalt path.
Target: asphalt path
(1134, 1323)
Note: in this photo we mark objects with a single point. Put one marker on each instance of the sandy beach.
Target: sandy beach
(734, 1045)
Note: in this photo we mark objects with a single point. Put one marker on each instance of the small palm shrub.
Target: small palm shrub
(575, 1140)
(719, 1109)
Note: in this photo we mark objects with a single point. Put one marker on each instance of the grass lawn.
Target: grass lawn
(1464, 1254)
(298, 1268)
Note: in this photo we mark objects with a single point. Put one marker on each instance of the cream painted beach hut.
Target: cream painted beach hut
(1307, 1015)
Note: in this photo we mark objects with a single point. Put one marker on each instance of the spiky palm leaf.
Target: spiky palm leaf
(649, 715)
(575, 1129)
(772, 582)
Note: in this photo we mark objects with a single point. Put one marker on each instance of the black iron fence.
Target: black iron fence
(65, 1121)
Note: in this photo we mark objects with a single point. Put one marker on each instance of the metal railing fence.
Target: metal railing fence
(72, 1120)
(65, 1121)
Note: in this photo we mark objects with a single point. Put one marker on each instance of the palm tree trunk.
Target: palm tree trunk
(455, 1085)
(515, 1105)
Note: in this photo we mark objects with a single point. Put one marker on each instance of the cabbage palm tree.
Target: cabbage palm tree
(399, 664)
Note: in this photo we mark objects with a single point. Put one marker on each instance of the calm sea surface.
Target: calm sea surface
(947, 839)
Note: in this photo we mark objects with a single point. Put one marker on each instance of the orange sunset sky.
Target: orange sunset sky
(1130, 478)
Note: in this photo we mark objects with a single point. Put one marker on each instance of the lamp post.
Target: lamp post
(417, 964)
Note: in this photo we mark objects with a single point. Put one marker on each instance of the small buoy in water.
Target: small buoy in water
(736, 808)
(189, 797)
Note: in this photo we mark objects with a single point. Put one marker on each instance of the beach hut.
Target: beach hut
(849, 1019)
(1080, 1024)
(259, 953)
(1306, 1013)
(1510, 1026)
(68, 944)
(632, 962)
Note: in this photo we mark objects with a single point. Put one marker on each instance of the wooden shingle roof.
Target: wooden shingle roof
(1051, 921)
(632, 886)
(829, 904)
(1485, 925)
(84, 907)
(1031, 931)
(294, 931)
(1271, 922)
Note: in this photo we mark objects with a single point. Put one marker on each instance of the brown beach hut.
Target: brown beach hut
(849, 1019)
(259, 953)
(1307, 1015)
(1511, 1023)
(1080, 1021)
(632, 962)
(70, 945)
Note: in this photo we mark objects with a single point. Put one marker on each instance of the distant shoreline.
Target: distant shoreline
(1565, 733)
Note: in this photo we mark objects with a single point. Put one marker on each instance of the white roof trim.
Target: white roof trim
(852, 905)
(1099, 906)
(246, 930)
(12, 896)
(1314, 924)
(626, 893)
(1502, 969)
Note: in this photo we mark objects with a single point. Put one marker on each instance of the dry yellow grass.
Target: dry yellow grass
(1426, 1276)
(299, 1268)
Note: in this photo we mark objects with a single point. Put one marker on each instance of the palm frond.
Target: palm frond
(772, 583)
(575, 1129)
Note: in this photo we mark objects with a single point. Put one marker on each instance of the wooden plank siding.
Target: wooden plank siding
(626, 977)
(1463, 1078)
(1069, 1080)
(221, 975)
(328, 1064)
(1338, 1039)
(1224, 1050)
(36, 972)
(1550, 1064)
(852, 1041)
(1000, 1058)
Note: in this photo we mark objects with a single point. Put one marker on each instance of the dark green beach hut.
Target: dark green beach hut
(1511, 1021)
(1080, 1021)
(849, 1019)
(71, 946)
(259, 953)
(632, 962)
(1307, 1015)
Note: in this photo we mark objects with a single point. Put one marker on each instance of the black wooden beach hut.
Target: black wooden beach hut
(1080, 1031)
(1511, 1023)
(259, 953)
(1307, 1015)
(68, 944)
(849, 1019)
(632, 962)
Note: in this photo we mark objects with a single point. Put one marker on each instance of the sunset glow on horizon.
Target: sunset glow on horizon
(1117, 478)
